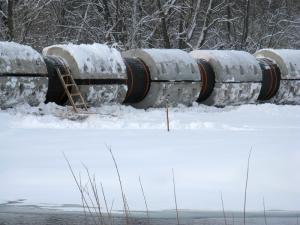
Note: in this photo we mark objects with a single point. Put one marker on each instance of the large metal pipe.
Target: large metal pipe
(288, 62)
(23, 75)
(271, 79)
(237, 76)
(207, 80)
(138, 80)
(99, 71)
(175, 77)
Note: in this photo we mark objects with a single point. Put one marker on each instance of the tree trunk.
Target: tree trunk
(205, 27)
(180, 30)
(164, 28)
(10, 19)
(193, 24)
(228, 23)
(246, 24)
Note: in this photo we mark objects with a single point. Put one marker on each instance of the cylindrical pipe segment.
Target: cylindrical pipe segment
(288, 62)
(271, 79)
(56, 92)
(23, 75)
(174, 75)
(238, 77)
(207, 79)
(98, 70)
(138, 80)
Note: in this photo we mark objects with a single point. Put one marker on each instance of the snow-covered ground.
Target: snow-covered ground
(207, 147)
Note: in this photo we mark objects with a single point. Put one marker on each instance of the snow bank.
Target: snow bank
(207, 147)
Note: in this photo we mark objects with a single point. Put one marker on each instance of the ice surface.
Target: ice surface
(207, 147)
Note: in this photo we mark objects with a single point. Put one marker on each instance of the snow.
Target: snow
(18, 90)
(230, 65)
(93, 59)
(170, 55)
(167, 64)
(287, 60)
(207, 147)
(16, 58)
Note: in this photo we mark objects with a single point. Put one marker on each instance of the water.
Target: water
(34, 215)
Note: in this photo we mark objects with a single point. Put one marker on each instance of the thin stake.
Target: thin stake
(167, 113)
(145, 200)
(175, 197)
(265, 217)
(246, 186)
(223, 208)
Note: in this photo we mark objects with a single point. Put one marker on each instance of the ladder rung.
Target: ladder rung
(66, 75)
(75, 94)
(69, 85)
(80, 104)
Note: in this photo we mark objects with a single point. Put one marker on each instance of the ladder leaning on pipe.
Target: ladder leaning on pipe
(75, 96)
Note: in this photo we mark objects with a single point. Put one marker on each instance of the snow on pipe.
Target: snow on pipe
(238, 76)
(174, 75)
(288, 62)
(23, 75)
(98, 70)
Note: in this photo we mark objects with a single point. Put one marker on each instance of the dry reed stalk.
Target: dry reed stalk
(97, 204)
(121, 186)
(145, 200)
(80, 188)
(223, 209)
(106, 206)
(246, 186)
(175, 197)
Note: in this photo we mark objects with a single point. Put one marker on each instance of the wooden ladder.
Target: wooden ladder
(75, 97)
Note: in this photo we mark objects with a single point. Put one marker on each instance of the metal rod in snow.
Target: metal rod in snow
(167, 113)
